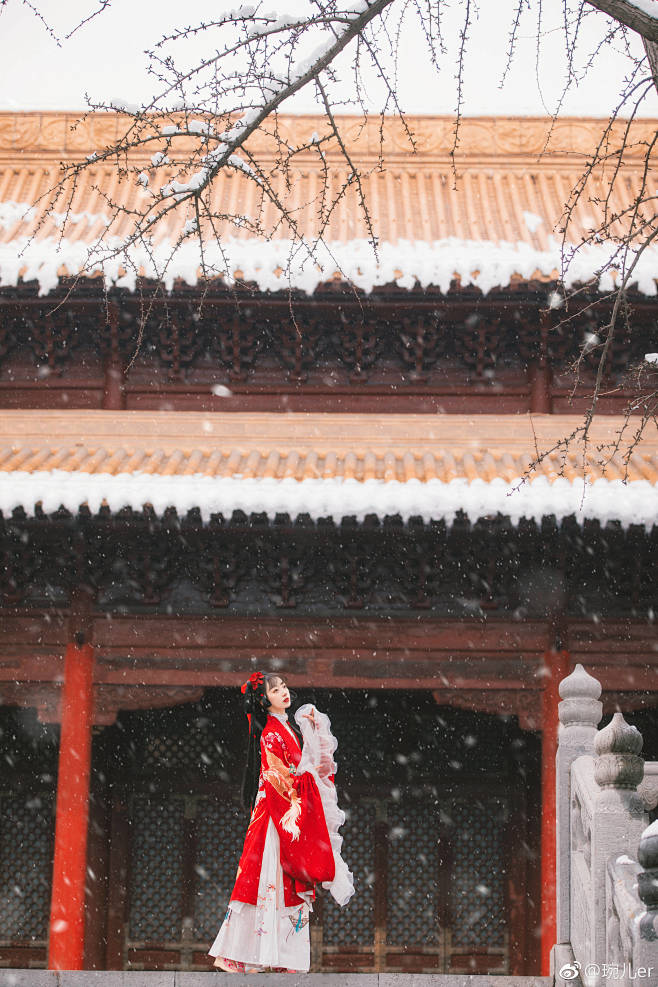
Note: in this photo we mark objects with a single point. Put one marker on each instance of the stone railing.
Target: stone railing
(607, 854)
(632, 915)
(648, 788)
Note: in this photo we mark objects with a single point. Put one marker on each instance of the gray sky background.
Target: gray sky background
(106, 59)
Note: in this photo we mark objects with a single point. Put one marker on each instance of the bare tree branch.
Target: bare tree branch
(651, 48)
(630, 15)
(201, 121)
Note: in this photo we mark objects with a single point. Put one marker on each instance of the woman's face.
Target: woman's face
(278, 695)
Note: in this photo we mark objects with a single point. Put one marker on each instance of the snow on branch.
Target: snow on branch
(201, 123)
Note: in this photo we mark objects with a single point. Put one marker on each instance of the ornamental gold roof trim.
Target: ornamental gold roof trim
(71, 135)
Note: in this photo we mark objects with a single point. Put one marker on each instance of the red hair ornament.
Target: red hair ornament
(254, 681)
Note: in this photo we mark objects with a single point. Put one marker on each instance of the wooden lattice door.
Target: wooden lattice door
(432, 887)
(27, 829)
(28, 772)
(430, 873)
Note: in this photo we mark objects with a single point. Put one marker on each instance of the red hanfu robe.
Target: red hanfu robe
(293, 804)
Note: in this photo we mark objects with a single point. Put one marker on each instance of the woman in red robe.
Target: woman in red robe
(292, 841)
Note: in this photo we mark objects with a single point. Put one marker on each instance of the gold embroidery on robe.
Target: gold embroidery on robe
(278, 775)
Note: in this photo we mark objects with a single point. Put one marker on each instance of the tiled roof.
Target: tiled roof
(505, 190)
(413, 198)
(320, 463)
(310, 446)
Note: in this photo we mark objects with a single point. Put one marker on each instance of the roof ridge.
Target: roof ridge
(70, 134)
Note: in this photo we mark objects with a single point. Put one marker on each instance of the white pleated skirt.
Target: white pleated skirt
(267, 934)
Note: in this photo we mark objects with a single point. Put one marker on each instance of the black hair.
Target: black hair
(256, 705)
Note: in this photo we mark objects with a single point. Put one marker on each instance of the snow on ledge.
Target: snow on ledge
(604, 500)
(275, 265)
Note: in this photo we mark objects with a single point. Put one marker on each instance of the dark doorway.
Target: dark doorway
(442, 834)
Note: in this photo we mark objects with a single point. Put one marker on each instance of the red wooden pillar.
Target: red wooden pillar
(556, 664)
(66, 942)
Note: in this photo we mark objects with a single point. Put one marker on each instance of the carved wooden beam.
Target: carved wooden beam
(109, 699)
(526, 703)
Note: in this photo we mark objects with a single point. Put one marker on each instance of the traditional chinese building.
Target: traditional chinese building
(335, 480)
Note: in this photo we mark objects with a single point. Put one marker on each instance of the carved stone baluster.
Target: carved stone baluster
(579, 712)
(647, 882)
(619, 765)
(618, 819)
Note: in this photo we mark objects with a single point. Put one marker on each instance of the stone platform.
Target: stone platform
(119, 978)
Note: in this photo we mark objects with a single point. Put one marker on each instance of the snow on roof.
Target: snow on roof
(323, 465)
(276, 265)
(496, 220)
(604, 500)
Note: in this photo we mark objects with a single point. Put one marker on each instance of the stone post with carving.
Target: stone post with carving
(580, 712)
(618, 817)
(647, 889)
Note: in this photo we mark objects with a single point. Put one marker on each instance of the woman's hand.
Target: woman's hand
(311, 716)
